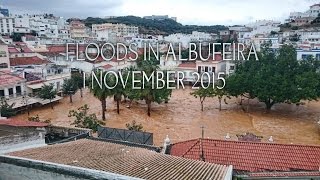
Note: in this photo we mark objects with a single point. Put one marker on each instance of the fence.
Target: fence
(125, 135)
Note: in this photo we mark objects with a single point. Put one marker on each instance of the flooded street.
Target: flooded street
(182, 118)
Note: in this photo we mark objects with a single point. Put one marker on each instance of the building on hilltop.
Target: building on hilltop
(160, 17)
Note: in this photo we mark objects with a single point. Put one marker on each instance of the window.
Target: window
(18, 90)
(1, 93)
(232, 68)
(317, 56)
(3, 65)
(306, 56)
(10, 91)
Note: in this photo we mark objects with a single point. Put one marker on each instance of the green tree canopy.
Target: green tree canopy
(6, 110)
(47, 92)
(100, 92)
(70, 87)
(277, 77)
(85, 120)
(79, 81)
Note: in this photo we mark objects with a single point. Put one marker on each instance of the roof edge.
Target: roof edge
(61, 168)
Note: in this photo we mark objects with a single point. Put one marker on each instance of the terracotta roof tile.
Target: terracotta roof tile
(9, 79)
(124, 160)
(188, 65)
(18, 61)
(21, 123)
(13, 50)
(250, 156)
(286, 174)
(107, 66)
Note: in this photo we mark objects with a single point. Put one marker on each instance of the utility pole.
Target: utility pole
(202, 131)
(201, 145)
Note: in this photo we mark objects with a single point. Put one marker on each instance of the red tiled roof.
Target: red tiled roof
(63, 48)
(27, 50)
(13, 50)
(20, 123)
(286, 174)
(9, 79)
(17, 50)
(250, 156)
(18, 61)
(188, 65)
(107, 66)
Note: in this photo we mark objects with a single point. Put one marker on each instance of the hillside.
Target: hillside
(147, 26)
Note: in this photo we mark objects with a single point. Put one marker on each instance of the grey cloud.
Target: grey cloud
(66, 8)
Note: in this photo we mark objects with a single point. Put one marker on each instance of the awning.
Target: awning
(35, 86)
(47, 101)
(19, 102)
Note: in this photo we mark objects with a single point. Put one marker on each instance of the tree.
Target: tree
(220, 94)
(6, 110)
(129, 92)
(133, 126)
(149, 92)
(47, 92)
(100, 92)
(118, 92)
(202, 93)
(16, 37)
(78, 79)
(85, 120)
(277, 77)
(70, 87)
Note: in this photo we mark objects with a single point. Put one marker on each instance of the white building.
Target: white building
(6, 25)
(311, 36)
(313, 12)
(306, 53)
(78, 30)
(103, 31)
(11, 86)
(22, 24)
(185, 39)
(264, 27)
(160, 17)
(4, 57)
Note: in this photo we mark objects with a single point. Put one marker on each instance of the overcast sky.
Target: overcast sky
(200, 12)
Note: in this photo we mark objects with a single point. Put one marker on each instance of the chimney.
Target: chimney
(166, 145)
(271, 139)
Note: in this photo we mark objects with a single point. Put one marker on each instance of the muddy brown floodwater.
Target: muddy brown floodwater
(182, 118)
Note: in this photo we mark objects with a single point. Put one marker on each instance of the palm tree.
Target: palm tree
(79, 80)
(100, 93)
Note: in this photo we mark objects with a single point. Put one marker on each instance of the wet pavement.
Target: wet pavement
(182, 118)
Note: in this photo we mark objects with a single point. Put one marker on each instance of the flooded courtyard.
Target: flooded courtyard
(182, 118)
